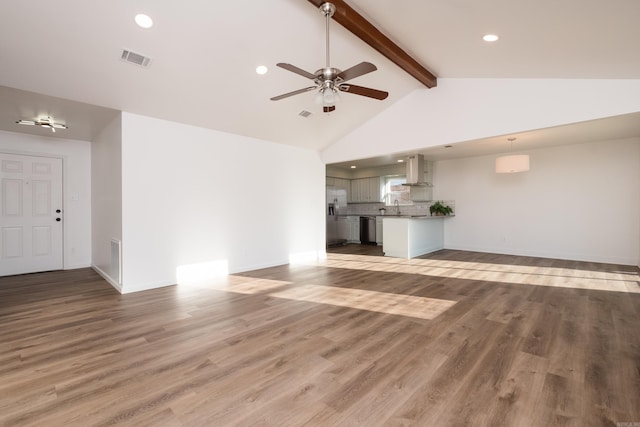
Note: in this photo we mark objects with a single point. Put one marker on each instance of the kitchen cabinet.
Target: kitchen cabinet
(365, 190)
(353, 229)
(374, 189)
(379, 230)
(341, 182)
(343, 229)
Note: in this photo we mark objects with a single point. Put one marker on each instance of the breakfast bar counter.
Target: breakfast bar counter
(412, 236)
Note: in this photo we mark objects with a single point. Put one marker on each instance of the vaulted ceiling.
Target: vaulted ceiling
(63, 59)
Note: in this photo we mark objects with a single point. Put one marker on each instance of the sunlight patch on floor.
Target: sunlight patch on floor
(361, 299)
(502, 273)
(251, 286)
(382, 302)
(238, 284)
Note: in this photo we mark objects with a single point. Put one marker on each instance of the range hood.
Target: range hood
(415, 171)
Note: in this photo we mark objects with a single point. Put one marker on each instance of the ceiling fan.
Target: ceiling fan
(328, 81)
(46, 122)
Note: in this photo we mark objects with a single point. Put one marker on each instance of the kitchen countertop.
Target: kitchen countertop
(400, 216)
(416, 216)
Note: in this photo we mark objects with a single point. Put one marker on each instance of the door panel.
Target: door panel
(12, 242)
(30, 230)
(41, 198)
(41, 240)
(12, 197)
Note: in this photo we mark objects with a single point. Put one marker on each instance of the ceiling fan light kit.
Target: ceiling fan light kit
(46, 122)
(328, 80)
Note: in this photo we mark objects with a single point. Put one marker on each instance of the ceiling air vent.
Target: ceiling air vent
(135, 58)
(304, 113)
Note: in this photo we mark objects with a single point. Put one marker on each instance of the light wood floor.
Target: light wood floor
(453, 339)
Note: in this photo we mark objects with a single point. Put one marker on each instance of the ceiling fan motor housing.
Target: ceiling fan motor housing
(328, 73)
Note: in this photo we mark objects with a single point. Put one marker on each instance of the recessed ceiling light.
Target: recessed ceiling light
(353, 166)
(144, 21)
(400, 161)
(490, 37)
(262, 69)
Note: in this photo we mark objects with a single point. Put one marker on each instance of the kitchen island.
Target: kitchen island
(412, 236)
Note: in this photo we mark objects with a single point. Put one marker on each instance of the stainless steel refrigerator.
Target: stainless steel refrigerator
(336, 206)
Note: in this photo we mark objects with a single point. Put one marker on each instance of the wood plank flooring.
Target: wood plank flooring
(505, 341)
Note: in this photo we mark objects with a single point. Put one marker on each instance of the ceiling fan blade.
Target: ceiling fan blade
(296, 70)
(295, 92)
(364, 91)
(356, 71)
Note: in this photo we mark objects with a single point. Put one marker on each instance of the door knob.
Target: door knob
(58, 219)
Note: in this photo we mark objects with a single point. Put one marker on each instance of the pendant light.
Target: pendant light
(512, 163)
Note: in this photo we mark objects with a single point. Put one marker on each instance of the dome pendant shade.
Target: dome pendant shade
(512, 164)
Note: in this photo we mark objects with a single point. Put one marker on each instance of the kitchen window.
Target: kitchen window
(394, 190)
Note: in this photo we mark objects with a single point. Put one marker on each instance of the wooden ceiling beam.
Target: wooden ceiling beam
(358, 25)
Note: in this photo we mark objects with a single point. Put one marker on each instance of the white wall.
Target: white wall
(106, 206)
(467, 109)
(577, 202)
(192, 196)
(76, 163)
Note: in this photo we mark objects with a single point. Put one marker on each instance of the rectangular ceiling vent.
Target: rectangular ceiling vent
(135, 58)
(304, 113)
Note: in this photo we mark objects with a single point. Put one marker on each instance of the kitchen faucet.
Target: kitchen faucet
(396, 203)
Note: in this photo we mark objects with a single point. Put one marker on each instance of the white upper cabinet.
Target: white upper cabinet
(362, 190)
(365, 190)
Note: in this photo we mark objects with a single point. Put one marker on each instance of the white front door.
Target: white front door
(30, 214)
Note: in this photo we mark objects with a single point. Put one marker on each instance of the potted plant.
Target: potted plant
(440, 209)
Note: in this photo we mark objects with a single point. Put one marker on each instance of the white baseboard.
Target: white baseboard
(108, 278)
(540, 254)
(251, 267)
(76, 266)
(148, 286)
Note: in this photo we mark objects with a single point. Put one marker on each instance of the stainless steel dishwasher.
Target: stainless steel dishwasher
(368, 230)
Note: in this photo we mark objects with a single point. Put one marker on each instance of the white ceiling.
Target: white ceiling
(204, 55)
